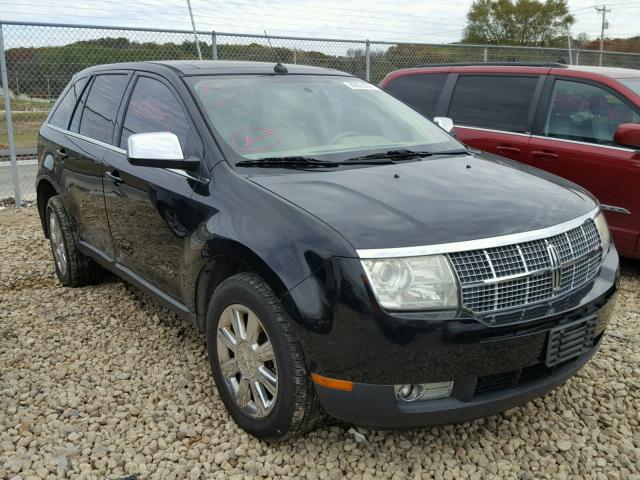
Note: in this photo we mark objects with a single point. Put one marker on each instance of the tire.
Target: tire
(295, 408)
(72, 267)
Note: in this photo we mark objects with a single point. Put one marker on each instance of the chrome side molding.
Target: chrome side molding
(613, 208)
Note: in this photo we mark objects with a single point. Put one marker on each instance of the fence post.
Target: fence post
(7, 109)
(485, 54)
(577, 57)
(214, 46)
(367, 61)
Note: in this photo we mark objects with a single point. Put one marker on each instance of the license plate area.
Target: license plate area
(570, 340)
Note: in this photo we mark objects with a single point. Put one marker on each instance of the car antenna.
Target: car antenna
(279, 68)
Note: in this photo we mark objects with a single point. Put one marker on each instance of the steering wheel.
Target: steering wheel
(343, 135)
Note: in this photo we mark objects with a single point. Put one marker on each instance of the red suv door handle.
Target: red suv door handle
(541, 154)
(505, 149)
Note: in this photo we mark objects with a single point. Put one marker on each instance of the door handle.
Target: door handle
(115, 177)
(506, 149)
(62, 152)
(542, 154)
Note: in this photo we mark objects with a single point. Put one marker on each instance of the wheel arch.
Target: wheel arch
(225, 259)
(45, 189)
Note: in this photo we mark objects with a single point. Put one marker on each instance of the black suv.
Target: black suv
(341, 253)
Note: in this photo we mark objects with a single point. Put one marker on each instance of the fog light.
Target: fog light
(423, 391)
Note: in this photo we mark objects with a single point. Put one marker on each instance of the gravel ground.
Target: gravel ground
(101, 382)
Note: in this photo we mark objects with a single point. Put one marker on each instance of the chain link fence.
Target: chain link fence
(38, 60)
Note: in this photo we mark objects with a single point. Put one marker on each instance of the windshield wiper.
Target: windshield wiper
(404, 154)
(308, 162)
(285, 162)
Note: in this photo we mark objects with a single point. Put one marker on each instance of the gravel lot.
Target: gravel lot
(101, 382)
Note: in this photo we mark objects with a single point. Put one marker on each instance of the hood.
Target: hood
(438, 200)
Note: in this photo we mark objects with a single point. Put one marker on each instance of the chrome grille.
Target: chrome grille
(510, 276)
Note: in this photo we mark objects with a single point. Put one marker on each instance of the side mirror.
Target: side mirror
(158, 149)
(446, 124)
(628, 134)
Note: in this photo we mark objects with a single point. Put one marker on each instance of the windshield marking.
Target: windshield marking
(246, 142)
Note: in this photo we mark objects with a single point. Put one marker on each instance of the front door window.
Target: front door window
(586, 113)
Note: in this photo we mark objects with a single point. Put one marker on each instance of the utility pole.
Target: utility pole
(603, 10)
(195, 35)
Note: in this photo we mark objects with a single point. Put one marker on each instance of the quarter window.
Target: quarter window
(419, 91)
(586, 113)
(497, 102)
(154, 108)
(77, 114)
(99, 114)
(62, 114)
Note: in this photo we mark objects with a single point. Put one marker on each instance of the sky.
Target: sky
(431, 21)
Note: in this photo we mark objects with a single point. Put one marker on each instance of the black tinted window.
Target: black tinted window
(99, 115)
(64, 110)
(493, 101)
(419, 91)
(154, 108)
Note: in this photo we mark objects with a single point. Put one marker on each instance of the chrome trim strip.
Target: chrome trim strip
(121, 151)
(183, 173)
(479, 244)
(584, 143)
(613, 208)
(89, 139)
(506, 132)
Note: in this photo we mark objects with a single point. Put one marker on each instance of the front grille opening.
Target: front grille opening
(511, 276)
(515, 378)
(499, 381)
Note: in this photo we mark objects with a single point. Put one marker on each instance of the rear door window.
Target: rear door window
(493, 101)
(62, 114)
(99, 114)
(587, 113)
(420, 92)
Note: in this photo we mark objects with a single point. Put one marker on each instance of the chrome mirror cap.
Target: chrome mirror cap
(444, 123)
(154, 149)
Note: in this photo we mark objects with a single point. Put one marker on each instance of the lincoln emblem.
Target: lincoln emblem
(554, 259)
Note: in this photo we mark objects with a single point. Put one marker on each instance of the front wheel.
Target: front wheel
(257, 362)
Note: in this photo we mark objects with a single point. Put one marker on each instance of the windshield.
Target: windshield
(632, 83)
(265, 116)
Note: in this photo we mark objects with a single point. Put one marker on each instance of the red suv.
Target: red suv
(581, 123)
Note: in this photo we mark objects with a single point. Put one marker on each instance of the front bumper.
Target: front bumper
(346, 336)
(376, 406)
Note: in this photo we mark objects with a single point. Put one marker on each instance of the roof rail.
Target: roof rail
(496, 64)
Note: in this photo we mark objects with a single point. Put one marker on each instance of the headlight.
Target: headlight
(603, 230)
(412, 283)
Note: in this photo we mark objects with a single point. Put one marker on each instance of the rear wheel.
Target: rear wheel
(72, 267)
(257, 362)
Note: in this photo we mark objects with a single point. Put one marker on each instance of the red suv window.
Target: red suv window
(422, 91)
(587, 113)
(493, 101)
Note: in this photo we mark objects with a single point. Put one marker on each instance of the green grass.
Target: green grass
(19, 104)
(25, 128)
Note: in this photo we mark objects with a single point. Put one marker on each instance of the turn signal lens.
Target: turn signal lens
(603, 230)
(332, 383)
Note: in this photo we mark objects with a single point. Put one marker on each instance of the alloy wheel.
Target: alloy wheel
(57, 243)
(247, 361)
